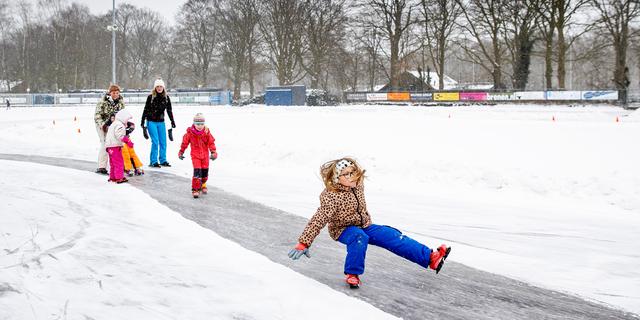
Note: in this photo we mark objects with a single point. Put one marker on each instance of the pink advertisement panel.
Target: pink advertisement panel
(475, 96)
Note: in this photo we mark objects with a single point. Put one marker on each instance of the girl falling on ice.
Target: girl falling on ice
(202, 142)
(343, 207)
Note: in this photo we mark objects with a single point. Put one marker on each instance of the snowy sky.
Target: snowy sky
(166, 8)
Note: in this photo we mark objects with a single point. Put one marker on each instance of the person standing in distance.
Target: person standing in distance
(157, 103)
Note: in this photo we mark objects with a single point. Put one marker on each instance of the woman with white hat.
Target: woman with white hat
(157, 102)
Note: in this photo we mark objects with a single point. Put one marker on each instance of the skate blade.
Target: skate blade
(354, 286)
(446, 254)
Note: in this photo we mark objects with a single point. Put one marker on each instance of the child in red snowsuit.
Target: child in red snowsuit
(202, 142)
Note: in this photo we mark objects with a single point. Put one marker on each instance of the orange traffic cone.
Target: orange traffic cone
(54, 122)
(79, 130)
(75, 119)
(617, 120)
(553, 118)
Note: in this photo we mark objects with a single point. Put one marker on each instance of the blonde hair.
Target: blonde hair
(329, 174)
(154, 93)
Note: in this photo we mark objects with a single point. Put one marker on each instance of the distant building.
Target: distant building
(433, 80)
(415, 81)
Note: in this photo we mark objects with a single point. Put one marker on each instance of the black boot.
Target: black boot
(102, 171)
(154, 165)
(165, 164)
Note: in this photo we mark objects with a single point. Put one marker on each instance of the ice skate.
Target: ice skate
(353, 281)
(438, 257)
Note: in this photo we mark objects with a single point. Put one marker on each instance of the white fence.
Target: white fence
(68, 99)
(475, 96)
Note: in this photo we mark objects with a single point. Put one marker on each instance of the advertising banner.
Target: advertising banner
(13, 100)
(90, 100)
(376, 97)
(356, 97)
(563, 95)
(473, 96)
(500, 96)
(600, 95)
(398, 96)
(428, 96)
(446, 96)
(135, 99)
(529, 95)
(69, 100)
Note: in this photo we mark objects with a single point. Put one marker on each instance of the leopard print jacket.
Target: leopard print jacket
(340, 209)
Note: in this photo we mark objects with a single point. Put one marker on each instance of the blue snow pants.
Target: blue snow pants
(158, 134)
(357, 239)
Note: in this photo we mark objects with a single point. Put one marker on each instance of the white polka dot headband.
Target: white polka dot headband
(339, 167)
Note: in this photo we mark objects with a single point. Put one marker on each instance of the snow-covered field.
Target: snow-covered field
(552, 203)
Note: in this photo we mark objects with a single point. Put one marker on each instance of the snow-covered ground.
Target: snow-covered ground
(552, 203)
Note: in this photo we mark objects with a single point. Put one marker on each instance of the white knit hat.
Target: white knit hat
(341, 165)
(158, 83)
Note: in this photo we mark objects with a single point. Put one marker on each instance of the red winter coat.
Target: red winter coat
(201, 142)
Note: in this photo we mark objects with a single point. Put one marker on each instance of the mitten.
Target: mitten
(127, 141)
(180, 156)
(298, 251)
(145, 133)
(213, 155)
(173, 124)
(130, 127)
(171, 134)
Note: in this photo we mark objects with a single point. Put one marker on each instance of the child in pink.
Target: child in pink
(114, 139)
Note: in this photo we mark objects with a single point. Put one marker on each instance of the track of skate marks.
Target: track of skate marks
(390, 283)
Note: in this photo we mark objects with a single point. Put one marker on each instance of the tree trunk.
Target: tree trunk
(394, 72)
(562, 52)
(440, 67)
(548, 62)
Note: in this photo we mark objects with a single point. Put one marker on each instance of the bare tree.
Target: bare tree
(440, 21)
(285, 48)
(616, 16)
(169, 56)
(238, 22)
(197, 33)
(6, 22)
(324, 28)
(521, 27)
(548, 29)
(484, 22)
(393, 20)
(369, 41)
(565, 10)
(145, 39)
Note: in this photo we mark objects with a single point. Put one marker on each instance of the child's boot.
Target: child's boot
(353, 281)
(196, 185)
(130, 173)
(438, 257)
(138, 172)
(204, 186)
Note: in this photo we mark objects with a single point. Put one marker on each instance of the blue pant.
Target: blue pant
(357, 239)
(158, 134)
